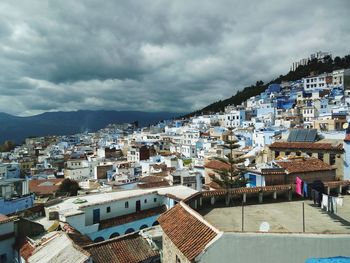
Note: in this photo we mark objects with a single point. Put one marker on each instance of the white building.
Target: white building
(309, 114)
(78, 169)
(315, 82)
(234, 118)
(86, 213)
(339, 77)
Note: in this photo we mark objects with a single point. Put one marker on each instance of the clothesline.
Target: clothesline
(315, 191)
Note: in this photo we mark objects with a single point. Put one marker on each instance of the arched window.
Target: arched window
(129, 230)
(99, 239)
(143, 227)
(155, 223)
(115, 234)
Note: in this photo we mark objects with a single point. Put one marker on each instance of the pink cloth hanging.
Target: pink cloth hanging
(299, 186)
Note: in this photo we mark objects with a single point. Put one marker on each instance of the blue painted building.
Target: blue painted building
(10, 170)
(273, 88)
(15, 196)
(285, 102)
(254, 179)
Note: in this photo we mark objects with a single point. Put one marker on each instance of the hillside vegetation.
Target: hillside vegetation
(313, 66)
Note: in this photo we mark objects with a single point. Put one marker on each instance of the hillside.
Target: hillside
(302, 71)
(61, 123)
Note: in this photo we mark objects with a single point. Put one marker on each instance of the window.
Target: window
(177, 259)
(320, 156)
(154, 199)
(126, 204)
(108, 209)
(332, 159)
(145, 201)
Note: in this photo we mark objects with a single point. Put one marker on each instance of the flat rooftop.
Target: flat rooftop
(281, 217)
(68, 207)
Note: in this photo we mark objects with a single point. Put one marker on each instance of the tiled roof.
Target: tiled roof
(77, 237)
(217, 165)
(304, 165)
(44, 187)
(245, 190)
(120, 220)
(126, 249)
(306, 146)
(337, 183)
(188, 233)
(26, 250)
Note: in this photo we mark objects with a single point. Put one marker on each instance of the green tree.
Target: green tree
(69, 186)
(7, 146)
(233, 176)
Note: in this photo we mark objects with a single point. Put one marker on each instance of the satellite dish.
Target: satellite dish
(264, 227)
(345, 125)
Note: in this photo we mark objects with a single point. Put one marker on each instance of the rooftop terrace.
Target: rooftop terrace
(281, 217)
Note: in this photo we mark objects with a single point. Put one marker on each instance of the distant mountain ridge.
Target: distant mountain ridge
(65, 123)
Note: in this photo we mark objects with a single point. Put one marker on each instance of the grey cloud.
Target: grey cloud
(154, 55)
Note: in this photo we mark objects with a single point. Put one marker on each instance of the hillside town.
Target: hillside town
(159, 193)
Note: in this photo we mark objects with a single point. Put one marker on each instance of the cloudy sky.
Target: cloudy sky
(154, 55)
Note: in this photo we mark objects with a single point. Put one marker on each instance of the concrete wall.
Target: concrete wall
(118, 207)
(275, 248)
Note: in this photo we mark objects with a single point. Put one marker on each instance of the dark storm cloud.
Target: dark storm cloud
(154, 55)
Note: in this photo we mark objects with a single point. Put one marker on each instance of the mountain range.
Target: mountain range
(16, 128)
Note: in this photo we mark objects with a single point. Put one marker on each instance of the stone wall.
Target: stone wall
(170, 251)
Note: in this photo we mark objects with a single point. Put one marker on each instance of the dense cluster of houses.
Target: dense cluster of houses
(143, 190)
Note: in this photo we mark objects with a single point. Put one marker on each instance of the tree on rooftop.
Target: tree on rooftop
(69, 186)
(231, 177)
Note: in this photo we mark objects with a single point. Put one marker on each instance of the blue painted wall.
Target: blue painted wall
(16, 205)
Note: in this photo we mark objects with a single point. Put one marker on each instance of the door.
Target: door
(138, 205)
(96, 216)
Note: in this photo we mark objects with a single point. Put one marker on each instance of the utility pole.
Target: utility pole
(242, 216)
(303, 217)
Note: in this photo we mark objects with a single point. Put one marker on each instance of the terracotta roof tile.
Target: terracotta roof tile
(304, 165)
(244, 190)
(186, 231)
(306, 146)
(216, 165)
(337, 183)
(44, 187)
(127, 249)
(26, 250)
